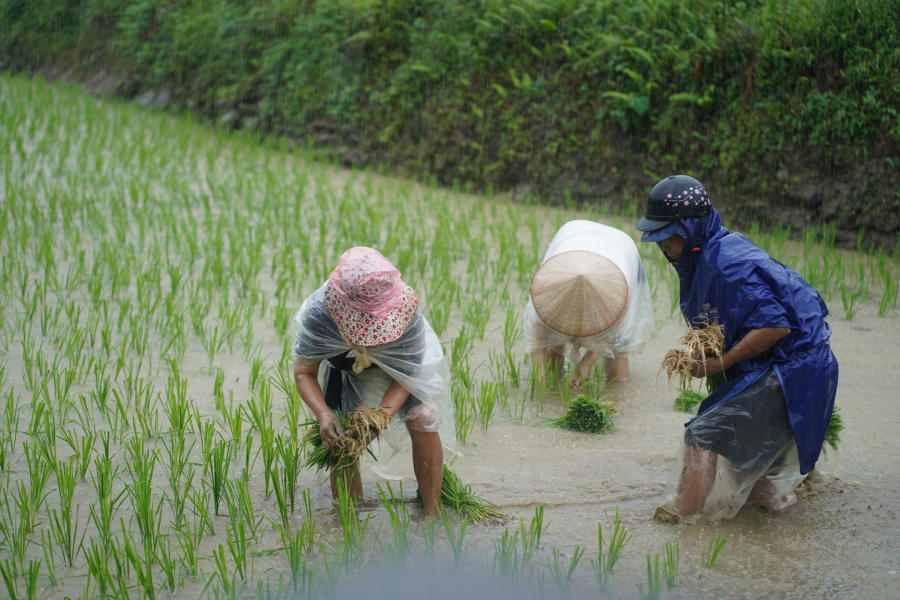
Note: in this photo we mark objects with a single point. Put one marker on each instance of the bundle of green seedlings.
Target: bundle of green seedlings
(835, 426)
(698, 344)
(361, 426)
(458, 496)
(588, 415)
(688, 399)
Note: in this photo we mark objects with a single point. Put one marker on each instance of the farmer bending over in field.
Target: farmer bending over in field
(588, 299)
(758, 434)
(363, 340)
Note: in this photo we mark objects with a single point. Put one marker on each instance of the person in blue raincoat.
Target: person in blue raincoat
(761, 431)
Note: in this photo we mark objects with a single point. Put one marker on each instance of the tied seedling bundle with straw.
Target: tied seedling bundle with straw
(698, 344)
(456, 495)
(586, 414)
(360, 427)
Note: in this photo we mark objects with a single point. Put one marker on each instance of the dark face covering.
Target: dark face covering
(660, 236)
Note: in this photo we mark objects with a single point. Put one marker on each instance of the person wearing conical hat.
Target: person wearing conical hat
(589, 299)
(761, 430)
(363, 341)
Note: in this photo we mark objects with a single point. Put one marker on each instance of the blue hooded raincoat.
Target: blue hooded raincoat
(726, 278)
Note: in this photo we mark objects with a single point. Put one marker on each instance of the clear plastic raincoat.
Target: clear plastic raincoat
(636, 322)
(351, 375)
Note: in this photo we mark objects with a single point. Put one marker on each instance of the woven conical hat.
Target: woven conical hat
(579, 293)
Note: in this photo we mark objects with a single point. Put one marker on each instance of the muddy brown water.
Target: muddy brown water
(840, 540)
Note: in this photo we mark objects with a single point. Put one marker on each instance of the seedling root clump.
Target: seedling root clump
(698, 344)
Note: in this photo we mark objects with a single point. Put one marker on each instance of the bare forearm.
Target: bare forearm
(756, 342)
(753, 344)
(394, 398)
(307, 383)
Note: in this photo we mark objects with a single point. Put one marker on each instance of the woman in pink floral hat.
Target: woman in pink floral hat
(362, 340)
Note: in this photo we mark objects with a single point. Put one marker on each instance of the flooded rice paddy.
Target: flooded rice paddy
(149, 270)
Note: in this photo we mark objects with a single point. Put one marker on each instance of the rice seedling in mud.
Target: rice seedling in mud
(465, 406)
(671, 557)
(699, 343)
(354, 528)
(64, 524)
(303, 575)
(17, 521)
(456, 537)
(511, 562)
(849, 298)
(507, 560)
(653, 580)
(562, 575)
(606, 559)
(217, 469)
(398, 547)
(30, 576)
(712, 551)
(491, 392)
(890, 284)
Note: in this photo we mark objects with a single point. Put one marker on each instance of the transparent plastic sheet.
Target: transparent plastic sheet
(415, 360)
(751, 440)
(732, 486)
(636, 322)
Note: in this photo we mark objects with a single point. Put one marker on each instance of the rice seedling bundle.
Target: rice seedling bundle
(688, 399)
(458, 496)
(835, 426)
(698, 344)
(360, 426)
(588, 415)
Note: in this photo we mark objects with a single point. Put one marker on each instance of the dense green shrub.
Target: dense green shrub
(557, 94)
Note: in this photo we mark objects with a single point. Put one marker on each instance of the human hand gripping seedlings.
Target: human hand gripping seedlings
(756, 342)
(330, 428)
(365, 424)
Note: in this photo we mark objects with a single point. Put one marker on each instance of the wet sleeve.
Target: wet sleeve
(765, 308)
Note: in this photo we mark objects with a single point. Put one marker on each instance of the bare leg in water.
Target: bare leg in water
(616, 369)
(766, 495)
(351, 478)
(428, 464)
(697, 478)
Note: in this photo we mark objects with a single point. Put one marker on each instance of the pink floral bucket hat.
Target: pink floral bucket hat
(367, 299)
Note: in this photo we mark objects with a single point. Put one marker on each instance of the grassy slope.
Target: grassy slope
(786, 110)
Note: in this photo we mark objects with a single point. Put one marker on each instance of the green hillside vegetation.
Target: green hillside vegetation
(787, 110)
